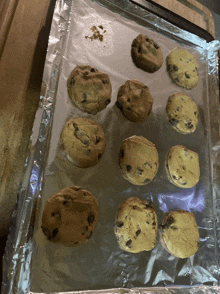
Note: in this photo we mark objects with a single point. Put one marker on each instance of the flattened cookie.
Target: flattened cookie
(89, 89)
(136, 225)
(182, 113)
(182, 68)
(70, 216)
(180, 234)
(138, 160)
(182, 167)
(134, 100)
(83, 141)
(146, 54)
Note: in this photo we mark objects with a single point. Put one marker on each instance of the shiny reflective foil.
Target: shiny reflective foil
(37, 265)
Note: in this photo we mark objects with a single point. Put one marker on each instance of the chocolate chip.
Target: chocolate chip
(53, 214)
(128, 108)
(140, 170)
(175, 68)
(173, 121)
(148, 164)
(128, 167)
(86, 73)
(187, 76)
(156, 46)
(189, 125)
(75, 127)
(54, 233)
(107, 102)
(72, 82)
(139, 50)
(147, 181)
(177, 109)
(91, 218)
(195, 113)
(176, 80)
(134, 206)
(99, 156)
(147, 39)
(128, 243)
(147, 223)
(65, 202)
(84, 96)
(119, 105)
(119, 224)
(174, 177)
(98, 139)
(128, 99)
(76, 243)
(169, 220)
(92, 70)
(89, 236)
(153, 223)
(173, 228)
(184, 183)
(138, 233)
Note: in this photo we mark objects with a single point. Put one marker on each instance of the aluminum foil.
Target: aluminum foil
(37, 265)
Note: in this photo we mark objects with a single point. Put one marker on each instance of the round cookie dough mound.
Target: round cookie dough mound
(138, 160)
(146, 54)
(70, 216)
(134, 100)
(180, 234)
(182, 68)
(182, 167)
(83, 141)
(89, 89)
(182, 113)
(136, 225)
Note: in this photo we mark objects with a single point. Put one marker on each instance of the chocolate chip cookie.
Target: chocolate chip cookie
(89, 89)
(146, 54)
(182, 68)
(134, 100)
(182, 167)
(83, 141)
(136, 225)
(182, 113)
(70, 216)
(138, 160)
(180, 234)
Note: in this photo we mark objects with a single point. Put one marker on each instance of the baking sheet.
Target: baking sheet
(100, 264)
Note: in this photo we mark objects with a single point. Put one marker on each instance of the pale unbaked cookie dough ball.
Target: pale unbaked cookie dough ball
(138, 160)
(83, 141)
(136, 225)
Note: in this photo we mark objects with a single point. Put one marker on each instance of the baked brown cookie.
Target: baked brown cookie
(182, 166)
(182, 68)
(134, 100)
(146, 54)
(136, 225)
(182, 113)
(180, 234)
(89, 89)
(138, 160)
(70, 216)
(83, 141)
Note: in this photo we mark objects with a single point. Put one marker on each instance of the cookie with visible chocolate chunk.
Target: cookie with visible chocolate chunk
(136, 225)
(83, 141)
(89, 89)
(179, 233)
(182, 68)
(146, 54)
(134, 100)
(182, 166)
(138, 160)
(70, 216)
(182, 113)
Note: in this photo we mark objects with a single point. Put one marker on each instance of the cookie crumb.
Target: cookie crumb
(96, 33)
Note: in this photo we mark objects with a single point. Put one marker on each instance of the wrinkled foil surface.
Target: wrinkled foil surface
(36, 265)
